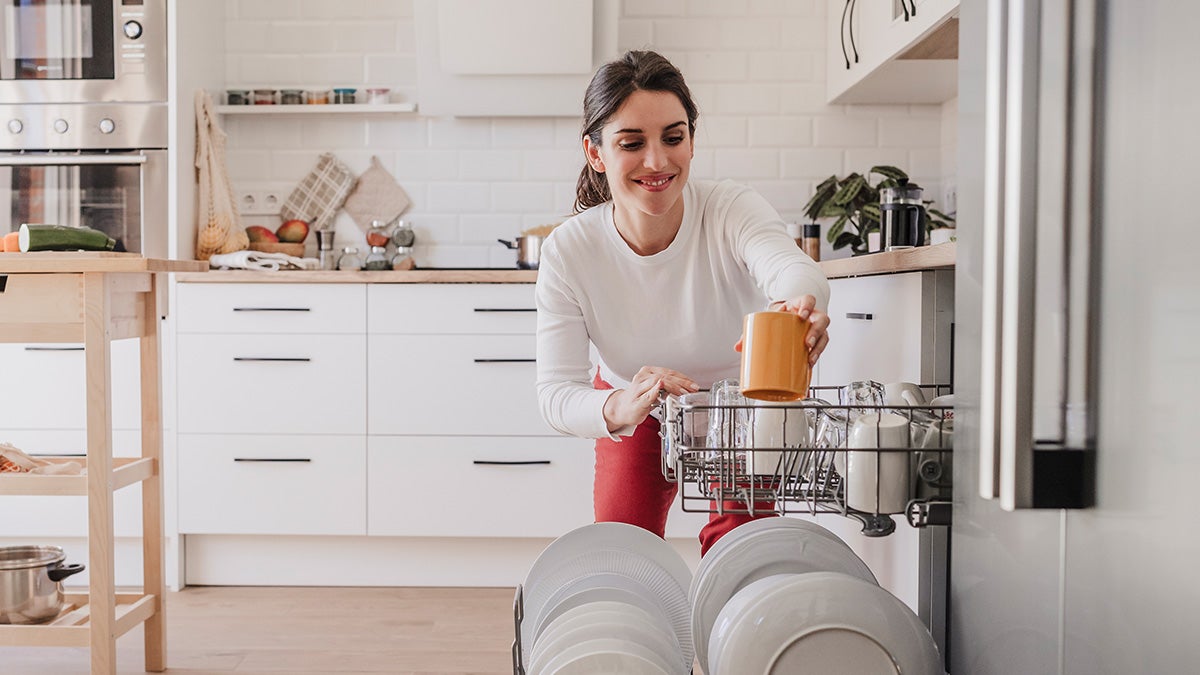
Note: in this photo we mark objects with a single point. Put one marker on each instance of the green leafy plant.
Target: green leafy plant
(853, 203)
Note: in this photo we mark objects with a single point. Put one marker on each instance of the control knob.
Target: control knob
(133, 30)
(60, 125)
(107, 126)
(15, 126)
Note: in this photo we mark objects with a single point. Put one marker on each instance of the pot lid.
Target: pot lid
(24, 557)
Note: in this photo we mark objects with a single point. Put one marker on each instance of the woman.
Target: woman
(655, 272)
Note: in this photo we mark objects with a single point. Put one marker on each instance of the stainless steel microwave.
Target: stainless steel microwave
(83, 51)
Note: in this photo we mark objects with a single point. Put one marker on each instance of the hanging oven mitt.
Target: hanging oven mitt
(320, 194)
(377, 196)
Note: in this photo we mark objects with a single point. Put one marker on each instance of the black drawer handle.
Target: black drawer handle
(505, 309)
(515, 462)
(505, 360)
(271, 459)
(285, 359)
(859, 315)
(271, 309)
(54, 349)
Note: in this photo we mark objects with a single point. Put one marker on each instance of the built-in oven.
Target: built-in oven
(106, 170)
(76, 51)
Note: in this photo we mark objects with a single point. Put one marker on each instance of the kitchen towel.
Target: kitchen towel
(377, 196)
(320, 194)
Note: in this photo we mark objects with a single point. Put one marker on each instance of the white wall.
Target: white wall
(756, 68)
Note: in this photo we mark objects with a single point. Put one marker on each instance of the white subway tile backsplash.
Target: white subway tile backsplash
(568, 133)
(634, 34)
(489, 164)
(403, 131)
(714, 131)
(685, 34)
(704, 165)
(787, 7)
(524, 132)
(431, 165)
(286, 37)
(551, 164)
(248, 165)
(862, 160)
(925, 162)
(333, 132)
(269, 70)
(655, 7)
(785, 132)
(293, 165)
(746, 99)
(342, 70)
(782, 66)
(845, 132)
(909, 131)
(814, 163)
(804, 32)
(804, 97)
(521, 197)
(747, 163)
(391, 70)
(717, 8)
(715, 66)
(242, 37)
(460, 132)
(785, 195)
(279, 133)
(459, 198)
(267, 9)
(749, 34)
(374, 36)
(487, 228)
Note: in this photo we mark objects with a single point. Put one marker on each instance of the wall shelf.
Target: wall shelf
(319, 109)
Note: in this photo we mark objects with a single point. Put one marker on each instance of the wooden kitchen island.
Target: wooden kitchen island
(94, 298)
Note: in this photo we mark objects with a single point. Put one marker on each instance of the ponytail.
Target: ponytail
(591, 189)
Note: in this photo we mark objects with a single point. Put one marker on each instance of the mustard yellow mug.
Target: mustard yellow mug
(774, 357)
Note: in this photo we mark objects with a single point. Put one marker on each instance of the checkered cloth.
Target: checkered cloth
(322, 192)
(377, 196)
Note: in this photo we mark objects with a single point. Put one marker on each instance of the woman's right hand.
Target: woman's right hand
(630, 406)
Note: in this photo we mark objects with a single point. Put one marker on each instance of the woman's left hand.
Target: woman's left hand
(805, 307)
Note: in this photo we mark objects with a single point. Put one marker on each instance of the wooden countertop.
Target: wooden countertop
(936, 257)
(92, 261)
(939, 257)
(417, 276)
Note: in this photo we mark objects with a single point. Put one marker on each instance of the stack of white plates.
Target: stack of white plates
(607, 597)
(819, 623)
(756, 550)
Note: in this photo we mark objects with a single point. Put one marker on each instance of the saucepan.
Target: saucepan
(31, 583)
(528, 248)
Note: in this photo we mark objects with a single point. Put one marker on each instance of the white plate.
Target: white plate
(593, 588)
(822, 622)
(607, 619)
(610, 548)
(605, 656)
(759, 549)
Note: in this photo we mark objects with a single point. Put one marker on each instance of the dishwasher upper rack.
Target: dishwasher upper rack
(743, 474)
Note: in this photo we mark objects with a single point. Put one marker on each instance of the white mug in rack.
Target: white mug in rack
(776, 425)
(878, 482)
(903, 393)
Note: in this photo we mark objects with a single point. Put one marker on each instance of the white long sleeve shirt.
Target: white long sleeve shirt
(681, 308)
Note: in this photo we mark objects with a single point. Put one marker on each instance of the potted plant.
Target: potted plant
(853, 203)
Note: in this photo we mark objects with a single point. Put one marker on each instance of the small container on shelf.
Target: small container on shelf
(237, 97)
(314, 97)
(403, 259)
(379, 95)
(403, 235)
(377, 234)
(264, 97)
(344, 95)
(350, 260)
(377, 260)
(291, 97)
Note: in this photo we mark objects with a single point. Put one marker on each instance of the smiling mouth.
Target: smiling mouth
(656, 184)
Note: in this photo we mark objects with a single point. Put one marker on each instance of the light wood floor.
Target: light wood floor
(308, 631)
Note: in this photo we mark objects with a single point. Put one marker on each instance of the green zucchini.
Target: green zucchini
(63, 238)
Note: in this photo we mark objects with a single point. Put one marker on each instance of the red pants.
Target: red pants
(630, 487)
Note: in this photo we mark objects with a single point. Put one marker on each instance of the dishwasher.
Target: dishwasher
(733, 455)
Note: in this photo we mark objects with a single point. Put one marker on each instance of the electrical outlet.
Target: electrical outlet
(270, 201)
(950, 197)
(247, 202)
(266, 202)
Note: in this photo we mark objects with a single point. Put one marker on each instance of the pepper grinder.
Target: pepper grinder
(325, 249)
(811, 241)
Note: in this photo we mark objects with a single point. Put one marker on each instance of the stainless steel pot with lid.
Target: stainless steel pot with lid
(31, 583)
(528, 248)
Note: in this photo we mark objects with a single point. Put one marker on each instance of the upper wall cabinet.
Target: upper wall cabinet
(511, 57)
(892, 51)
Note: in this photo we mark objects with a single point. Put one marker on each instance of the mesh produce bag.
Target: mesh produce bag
(320, 194)
(220, 227)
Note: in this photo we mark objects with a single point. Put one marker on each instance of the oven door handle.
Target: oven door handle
(71, 160)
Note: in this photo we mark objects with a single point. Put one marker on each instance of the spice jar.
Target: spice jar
(237, 97)
(350, 260)
(403, 235)
(377, 234)
(291, 97)
(316, 97)
(264, 97)
(377, 260)
(810, 242)
(378, 95)
(343, 95)
(403, 258)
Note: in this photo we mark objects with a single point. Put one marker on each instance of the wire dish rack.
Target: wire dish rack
(865, 461)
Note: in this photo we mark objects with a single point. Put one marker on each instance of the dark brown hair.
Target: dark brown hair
(610, 86)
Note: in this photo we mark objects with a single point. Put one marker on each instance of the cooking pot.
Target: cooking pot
(528, 248)
(30, 583)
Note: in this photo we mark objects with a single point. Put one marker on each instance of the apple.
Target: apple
(258, 233)
(293, 231)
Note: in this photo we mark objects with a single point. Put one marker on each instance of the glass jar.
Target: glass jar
(403, 235)
(377, 260)
(403, 258)
(350, 260)
(264, 97)
(316, 97)
(343, 95)
(237, 97)
(291, 97)
(378, 95)
(377, 234)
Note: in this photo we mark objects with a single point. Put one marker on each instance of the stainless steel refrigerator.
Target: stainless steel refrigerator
(1075, 543)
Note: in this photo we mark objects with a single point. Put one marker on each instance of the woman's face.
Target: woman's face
(645, 152)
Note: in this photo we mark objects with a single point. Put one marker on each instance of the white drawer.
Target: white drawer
(288, 384)
(42, 386)
(272, 484)
(453, 385)
(874, 330)
(438, 487)
(451, 308)
(271, 308)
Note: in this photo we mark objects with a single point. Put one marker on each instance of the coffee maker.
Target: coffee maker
(902, 216)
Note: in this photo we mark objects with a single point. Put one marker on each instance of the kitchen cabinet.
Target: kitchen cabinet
(510, 58)
(876, 52)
